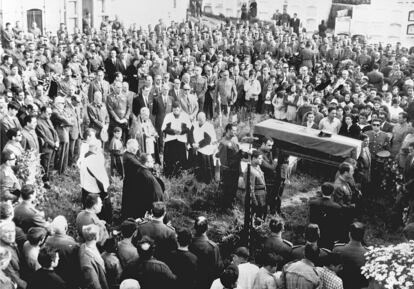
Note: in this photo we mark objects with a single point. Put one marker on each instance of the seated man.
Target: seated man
(25, 214)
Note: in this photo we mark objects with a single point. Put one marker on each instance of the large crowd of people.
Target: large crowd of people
(118, 101)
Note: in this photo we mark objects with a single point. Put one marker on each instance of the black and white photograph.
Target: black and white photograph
(206, 144)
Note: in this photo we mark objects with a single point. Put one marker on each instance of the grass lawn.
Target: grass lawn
(186, 199)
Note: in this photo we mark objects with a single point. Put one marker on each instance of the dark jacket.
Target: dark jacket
(46, 133)
(209, 261)
(354, 131)
(93, 273)
(353, 258)
(137, 176)
(68, 249)
(46, 279)
(25, 216)
(184, 265)
(275, 244)
(163, 236)
(151, 274)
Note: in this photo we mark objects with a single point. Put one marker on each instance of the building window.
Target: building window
(410, 29)
(411, 16)
(175, 4)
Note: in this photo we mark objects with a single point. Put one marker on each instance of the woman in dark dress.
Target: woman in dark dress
(350, 128)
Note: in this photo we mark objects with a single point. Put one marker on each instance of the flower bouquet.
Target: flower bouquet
(390, 267)
(29, 172)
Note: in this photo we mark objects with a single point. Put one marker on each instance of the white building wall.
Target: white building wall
(144, 12)
(383, 21)
(311, 12)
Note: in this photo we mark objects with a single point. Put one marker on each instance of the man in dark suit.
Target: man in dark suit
(162, 105)
(30, 141)
(175, 91)
(375, 77)
(99, 84)
(111, 64)
(385, 125)
(162, 234)
(143, 99)
(49, 141)
(353, 256)
(295, 23)
(276, 244)
(409, 165)
(122, 64)
(67, 248)
(208, 255)
(25, 213)
(324, 212)
(312, 237)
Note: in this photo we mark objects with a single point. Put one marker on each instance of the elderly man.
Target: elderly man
(67, 248)
(143, 130)
(204, 139)
(7, 241)
(119, 108)
(131, 167)
(189, 103)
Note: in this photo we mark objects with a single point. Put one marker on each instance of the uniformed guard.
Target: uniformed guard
(353, 255)
(275, 243)
(163, 235)
(268, 167)
(312, 236)
(208, 254)
(378, 141)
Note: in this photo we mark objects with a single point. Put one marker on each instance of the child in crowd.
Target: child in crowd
(116, 148)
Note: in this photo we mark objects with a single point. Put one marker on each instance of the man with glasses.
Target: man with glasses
(9, 183)
(378, 140)
(189, 103)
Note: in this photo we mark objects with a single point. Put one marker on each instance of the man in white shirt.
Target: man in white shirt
(247, 270)
(176, 126)
(330, 123)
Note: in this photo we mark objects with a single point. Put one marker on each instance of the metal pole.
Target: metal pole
(247, 209)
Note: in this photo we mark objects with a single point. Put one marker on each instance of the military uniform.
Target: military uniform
(209, 260)
(353, 258)
(279, 246)
(298, 253)
(163, 235)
